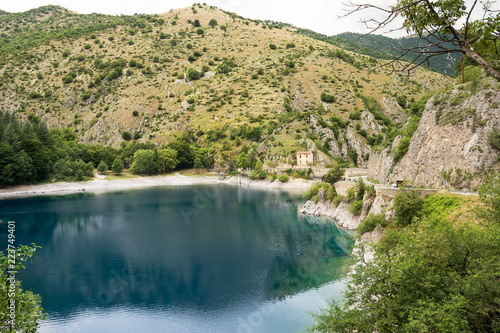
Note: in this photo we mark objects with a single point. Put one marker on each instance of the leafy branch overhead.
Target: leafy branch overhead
(436, 23)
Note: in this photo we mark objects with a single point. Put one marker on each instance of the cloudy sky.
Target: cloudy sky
(318, 15)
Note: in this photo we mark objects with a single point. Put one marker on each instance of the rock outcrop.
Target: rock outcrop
(450, 146)
(341, 213)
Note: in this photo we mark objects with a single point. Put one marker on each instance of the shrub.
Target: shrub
(407, 206)
(312, 192)
(356, 207)
(327, 98)
(200, 31)
(272, 47)
(335, 174)
(283, 178)
(102, 167)
(290, 45)
(355, 115)
(371, 222)
(117, 166)
(401, 149)
(192, 74)
(126, 136)
(494, 138)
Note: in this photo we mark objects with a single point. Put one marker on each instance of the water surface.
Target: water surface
(178, 259)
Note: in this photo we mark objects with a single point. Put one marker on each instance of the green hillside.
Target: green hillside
(218, 80)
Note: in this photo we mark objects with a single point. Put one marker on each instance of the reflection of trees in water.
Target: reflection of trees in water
(135, 248)
(324, 259)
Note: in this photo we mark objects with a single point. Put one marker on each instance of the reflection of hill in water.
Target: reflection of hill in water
(141, 247)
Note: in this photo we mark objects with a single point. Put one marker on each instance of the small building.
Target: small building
(305, 158)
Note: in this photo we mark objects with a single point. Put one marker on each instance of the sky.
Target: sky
(318, 15)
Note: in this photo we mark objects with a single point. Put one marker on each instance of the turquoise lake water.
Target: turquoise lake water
(213, 258)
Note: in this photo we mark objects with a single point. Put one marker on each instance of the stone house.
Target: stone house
(305, 158)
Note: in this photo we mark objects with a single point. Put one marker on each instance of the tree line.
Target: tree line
(31, 153)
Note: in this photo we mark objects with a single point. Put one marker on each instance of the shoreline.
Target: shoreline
(99, 185)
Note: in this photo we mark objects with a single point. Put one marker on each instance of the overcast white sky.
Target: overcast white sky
(317, 15)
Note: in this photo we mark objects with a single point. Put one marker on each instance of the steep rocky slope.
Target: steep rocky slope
(223, 79)
(451, 147)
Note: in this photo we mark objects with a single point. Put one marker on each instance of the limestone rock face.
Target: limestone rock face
(450, 146)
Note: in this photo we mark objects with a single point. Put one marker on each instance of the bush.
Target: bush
(312, 192)
(335, 174)
(356, 207)
(126, 136)
(407, 206)
(371, 222)
(192, 74)
(135, 113)
(494, 138)
(401, 149)
(272, 47)
(117, 166)
(102, 167)
(327, 98)
(283, 178)
(356, 115)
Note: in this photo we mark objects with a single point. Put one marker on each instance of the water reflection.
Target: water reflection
(204, 247)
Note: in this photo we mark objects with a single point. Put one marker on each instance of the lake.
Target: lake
(211, 258)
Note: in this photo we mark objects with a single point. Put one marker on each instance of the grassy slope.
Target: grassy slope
(221, 101)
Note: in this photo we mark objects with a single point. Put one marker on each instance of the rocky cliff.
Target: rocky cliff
(451, 145)
(341, 213)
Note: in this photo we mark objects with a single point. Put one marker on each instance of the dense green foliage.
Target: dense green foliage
(382, 47)
(26, 309)
(283, 178)
(335, 174)
(407, 205)
(313, 191)
(25, 151)
(431, 277)
(371, 222)
(489, 193)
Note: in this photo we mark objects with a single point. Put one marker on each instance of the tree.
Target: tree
(185, 154)
(212, 23)
(489, 193)
(145, 162)
(102, 167)
(126, 136)
(117, 166)
(407, 205)
(243, 161)
(168, 159)
(334, 174)
(21, 310)
(436, 276)
(198, 164)
(435, 22)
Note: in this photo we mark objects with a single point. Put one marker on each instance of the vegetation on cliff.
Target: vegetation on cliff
(438, 272)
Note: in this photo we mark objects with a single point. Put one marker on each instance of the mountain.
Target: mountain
(382, 47)
(223, 81)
